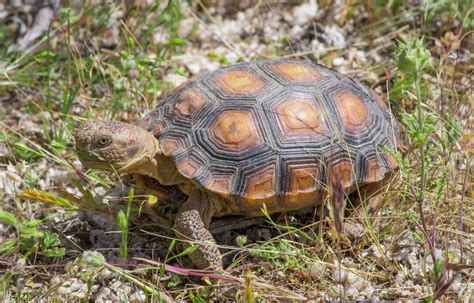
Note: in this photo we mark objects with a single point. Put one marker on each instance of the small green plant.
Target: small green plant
(297, 232)
(241, 240)
(30, 240)
(123, 219)
(414, 61)
(189, 249)
(460, 10)
(393, 6)
(89, 266)
(5, 283)
(283, 254)
(31, 178)
(219, 58)
(197, 297)
(170, 19)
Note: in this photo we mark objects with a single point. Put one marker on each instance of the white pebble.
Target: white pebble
(338, 61)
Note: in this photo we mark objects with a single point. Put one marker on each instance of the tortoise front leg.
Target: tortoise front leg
(192, 224)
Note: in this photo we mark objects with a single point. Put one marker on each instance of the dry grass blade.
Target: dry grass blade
(46, 197)
(286, 293)
(249, 298)
(160, 296)
(337, 200)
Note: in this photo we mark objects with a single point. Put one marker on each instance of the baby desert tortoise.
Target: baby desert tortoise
(249, 134)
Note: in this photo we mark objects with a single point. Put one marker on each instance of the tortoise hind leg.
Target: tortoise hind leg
(192, 224)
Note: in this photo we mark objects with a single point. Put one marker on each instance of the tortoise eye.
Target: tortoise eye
(103, 142)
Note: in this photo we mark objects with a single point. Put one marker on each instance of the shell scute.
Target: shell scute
(235, 130)
(298, 72)
(239, 82)
(260, 186)
(188, 104)
(353, 112)
(303, 183)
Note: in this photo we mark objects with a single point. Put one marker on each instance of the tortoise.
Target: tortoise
(247, 135)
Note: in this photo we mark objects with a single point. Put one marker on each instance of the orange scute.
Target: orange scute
(391, 161)
(159, 128)
(344, 171)
(260, 187)
(235, 130)
(169, 146)
(303, 183)
(300, 73)
(220, 185)
(352, 110)
(240, 82)
(299, 116)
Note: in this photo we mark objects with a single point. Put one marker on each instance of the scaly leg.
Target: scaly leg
(192, 223)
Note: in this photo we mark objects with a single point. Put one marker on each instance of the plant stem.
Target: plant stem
(461, 211)
(421, 146)
(422, 191)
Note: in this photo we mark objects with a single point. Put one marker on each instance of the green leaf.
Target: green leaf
(51, 240)
(26, 152)
(187, 251)
(413, 57)
(176, 42)
(122, 221)
(7, 218)
(55, 252)
(172, 245)
(241, 240)
(93, 258)
(8, 247)
(29, 232)
(54, 249)
(180, 72)
(438, 268)
(131, 43)
(453, 131)
(6, 282)
(58, 145)
(31, 178)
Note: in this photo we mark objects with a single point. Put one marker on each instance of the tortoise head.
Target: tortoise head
(115, 146)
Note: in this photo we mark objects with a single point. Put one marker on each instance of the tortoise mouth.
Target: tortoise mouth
(91, 161)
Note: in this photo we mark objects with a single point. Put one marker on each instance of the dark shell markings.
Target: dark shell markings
(270, 131)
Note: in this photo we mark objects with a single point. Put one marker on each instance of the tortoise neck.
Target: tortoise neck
(153, 163)
(145, 162)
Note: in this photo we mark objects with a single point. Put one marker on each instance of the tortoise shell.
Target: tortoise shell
(271, 132)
